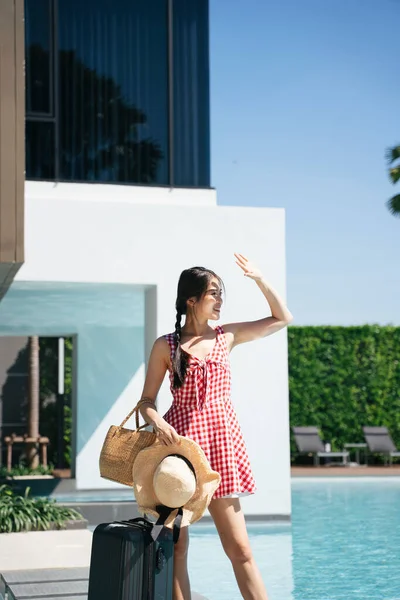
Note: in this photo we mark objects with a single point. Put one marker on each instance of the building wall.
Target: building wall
(74, 237)
(12, 146)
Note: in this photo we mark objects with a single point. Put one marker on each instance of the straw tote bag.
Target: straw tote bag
(121, 447)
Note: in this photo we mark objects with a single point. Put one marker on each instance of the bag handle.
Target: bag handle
(164, 512)
(156, 528)
(136, 411)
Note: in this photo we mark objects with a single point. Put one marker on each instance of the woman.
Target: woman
(197, 358)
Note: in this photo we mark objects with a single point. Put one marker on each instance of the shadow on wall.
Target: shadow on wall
(14, 391)
(14, 397)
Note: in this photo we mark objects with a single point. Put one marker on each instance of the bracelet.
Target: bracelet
(146, 401)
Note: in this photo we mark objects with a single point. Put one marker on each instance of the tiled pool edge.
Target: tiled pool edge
(104, 512)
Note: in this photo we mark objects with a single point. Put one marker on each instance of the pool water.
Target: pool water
(343, 544)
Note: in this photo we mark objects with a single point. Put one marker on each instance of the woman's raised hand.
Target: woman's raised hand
(249, 268)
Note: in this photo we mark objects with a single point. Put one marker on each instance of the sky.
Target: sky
(304, 103)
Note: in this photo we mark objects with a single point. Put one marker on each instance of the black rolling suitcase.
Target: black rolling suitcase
(132, 560)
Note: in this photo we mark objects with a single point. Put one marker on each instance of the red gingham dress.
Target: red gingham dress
(202, 411)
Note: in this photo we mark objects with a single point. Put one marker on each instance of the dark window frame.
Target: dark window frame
(48, 116)
(170, 53)
(52, 116)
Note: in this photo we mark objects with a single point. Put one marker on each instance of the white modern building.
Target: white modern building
(116, 201)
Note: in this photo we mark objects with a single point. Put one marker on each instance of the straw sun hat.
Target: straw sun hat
(174, 476)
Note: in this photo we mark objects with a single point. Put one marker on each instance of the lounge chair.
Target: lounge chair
(308, 441)
(379, 441)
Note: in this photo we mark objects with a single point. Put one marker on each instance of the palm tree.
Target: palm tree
(33, 415)
(393, 155)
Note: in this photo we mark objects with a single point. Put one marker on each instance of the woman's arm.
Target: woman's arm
(239, 333)
(157, 367)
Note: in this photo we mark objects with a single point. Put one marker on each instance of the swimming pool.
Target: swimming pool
(343, 544)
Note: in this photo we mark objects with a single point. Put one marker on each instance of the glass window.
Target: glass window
(40, 158)
(113, 78)
(38, 56)
(98, 91)
(191, 93)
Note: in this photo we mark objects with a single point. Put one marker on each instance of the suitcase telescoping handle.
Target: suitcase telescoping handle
(139, 521)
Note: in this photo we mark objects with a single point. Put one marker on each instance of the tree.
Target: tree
(33, 399)
(393, 155)
(103, 135)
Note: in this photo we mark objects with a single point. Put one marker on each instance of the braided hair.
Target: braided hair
(192, 283)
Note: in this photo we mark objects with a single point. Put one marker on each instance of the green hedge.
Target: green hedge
(341, 378)
(48, 385)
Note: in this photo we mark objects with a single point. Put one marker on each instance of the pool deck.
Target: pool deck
(339, 471)
(54, 565)
(50, 565)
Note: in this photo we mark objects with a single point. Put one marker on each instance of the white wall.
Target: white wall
(107, 322)
(71, 236)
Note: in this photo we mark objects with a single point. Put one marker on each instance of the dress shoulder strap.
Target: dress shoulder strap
(220, 331)
(170, 337)
(221, 337)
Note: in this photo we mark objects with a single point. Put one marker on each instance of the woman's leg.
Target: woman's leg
(181, 589)
(229, 520)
